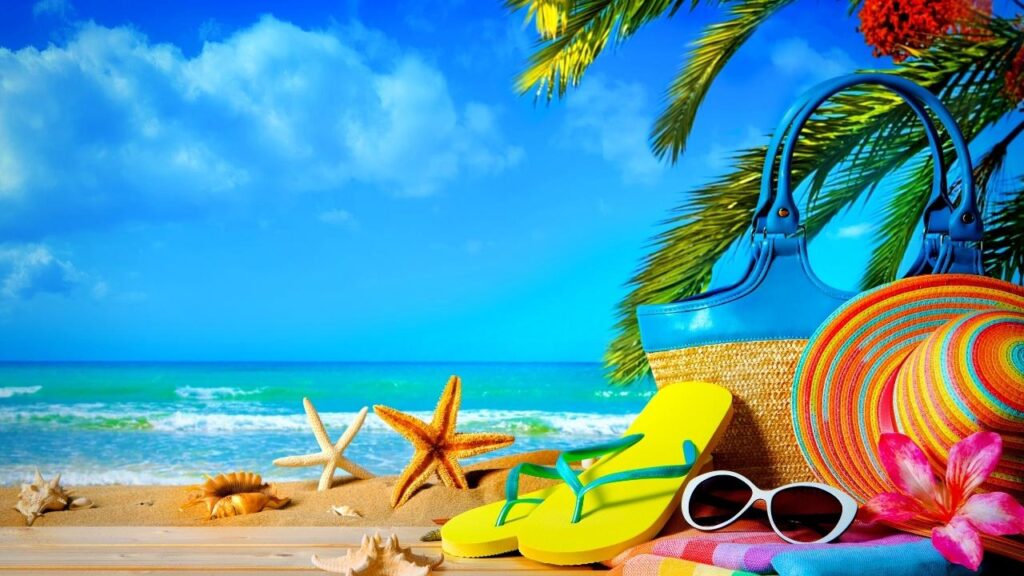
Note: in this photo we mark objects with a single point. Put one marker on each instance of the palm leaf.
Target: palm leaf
(574, 32)
(1004, 236)
(707, 57)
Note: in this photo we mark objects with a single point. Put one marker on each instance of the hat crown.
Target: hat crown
(965, 376)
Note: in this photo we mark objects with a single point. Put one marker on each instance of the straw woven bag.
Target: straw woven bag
(749, 336)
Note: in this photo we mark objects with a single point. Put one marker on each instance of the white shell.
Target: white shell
(379, 558)
(80, 503)
(345, 511)
(41, 496)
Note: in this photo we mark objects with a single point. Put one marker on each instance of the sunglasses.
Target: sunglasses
(802, 513)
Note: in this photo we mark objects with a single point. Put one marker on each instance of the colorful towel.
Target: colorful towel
(914, 559)
(752, 551)
(650, 565)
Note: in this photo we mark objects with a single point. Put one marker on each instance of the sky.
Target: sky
(355, 181)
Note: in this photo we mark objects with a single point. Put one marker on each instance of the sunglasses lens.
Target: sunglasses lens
(718, 499)
(804, 513)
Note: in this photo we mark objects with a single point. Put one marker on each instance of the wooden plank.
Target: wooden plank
(232, 550)
(204, 536)
(220, 558)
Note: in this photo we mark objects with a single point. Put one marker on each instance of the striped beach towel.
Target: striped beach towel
(749, 551)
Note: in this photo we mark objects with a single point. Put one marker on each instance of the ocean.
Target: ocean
(171, 423)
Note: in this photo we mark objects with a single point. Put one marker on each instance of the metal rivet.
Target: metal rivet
(783, 212)
(967, 218)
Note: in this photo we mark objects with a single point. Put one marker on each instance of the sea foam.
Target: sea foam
(12, 391)
(149, 417)
(215, 393)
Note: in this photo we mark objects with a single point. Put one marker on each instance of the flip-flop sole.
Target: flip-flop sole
(620, 515)
(473, 533)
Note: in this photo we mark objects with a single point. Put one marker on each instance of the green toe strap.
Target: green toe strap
(563, 471)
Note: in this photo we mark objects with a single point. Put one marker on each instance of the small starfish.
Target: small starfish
(438, 446)
(330, 456)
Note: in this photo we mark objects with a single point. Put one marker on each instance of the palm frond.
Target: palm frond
(1004, 236)
(573, 33)
(900, 218)
(707, 57)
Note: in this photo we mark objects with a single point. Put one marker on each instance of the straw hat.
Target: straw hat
(933, 357)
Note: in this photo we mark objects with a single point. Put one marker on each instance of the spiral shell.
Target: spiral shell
(234, 494)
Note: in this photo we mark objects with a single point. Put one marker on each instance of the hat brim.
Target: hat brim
(843, 388)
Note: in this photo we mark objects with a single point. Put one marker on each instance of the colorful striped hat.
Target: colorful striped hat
(933, 357)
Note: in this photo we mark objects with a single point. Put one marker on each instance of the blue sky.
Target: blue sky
(349, 180)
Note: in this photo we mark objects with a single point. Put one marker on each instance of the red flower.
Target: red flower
(1014, 88)
(897, 27)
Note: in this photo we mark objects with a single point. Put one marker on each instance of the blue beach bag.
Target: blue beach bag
(749, 336)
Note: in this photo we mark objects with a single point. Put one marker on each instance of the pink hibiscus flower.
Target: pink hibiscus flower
(958, 515)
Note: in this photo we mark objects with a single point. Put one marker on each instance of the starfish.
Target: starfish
(438, 446)
(330, 455)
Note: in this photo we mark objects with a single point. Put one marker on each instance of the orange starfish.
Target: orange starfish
(438, 446)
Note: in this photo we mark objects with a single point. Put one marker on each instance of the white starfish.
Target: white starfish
(330, 455)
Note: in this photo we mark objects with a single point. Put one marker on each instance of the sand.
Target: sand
(119, 505)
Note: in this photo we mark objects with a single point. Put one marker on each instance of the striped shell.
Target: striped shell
(234, 494)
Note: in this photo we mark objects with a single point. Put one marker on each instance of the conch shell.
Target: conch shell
(379, 558)
(41, 496)
(234, 494)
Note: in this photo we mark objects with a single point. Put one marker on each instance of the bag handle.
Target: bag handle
(938, 203)
(965, 222)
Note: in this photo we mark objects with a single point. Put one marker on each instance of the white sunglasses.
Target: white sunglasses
(791, 509)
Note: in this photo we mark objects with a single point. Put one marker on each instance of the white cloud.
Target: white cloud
(610, 118)
(30, 269)
(111, 126)
(855, 230)
(59, 8)
(338, 218)
(794, 56)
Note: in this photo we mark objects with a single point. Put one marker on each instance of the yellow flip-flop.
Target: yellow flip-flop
(624, 499)
(477, 533)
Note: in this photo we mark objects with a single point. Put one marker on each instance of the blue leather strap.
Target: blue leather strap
(936, 219)
(965, 223)
(564, 471)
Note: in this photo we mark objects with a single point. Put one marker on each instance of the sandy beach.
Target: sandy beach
(120, 505)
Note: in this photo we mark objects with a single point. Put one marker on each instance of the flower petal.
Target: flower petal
(907, 467)
(995, 513)
(959, 543)
(971, 461)
(891, 507)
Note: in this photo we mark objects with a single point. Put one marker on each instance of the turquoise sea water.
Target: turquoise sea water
(170, 423)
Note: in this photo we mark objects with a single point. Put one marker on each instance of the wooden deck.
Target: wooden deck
(187, 551)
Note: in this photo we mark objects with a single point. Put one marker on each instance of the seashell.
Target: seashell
(379, 558)
(432, 536)
(80, 503)
(40, 497)
(345, 511)
(234, 494)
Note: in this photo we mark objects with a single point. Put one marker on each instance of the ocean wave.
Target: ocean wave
(12, 391)
(127, 417)
(623, 393)
(215, 393)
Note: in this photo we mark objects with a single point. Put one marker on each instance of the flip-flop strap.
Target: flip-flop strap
(512, 486)
(690, 454)
(553, 473)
